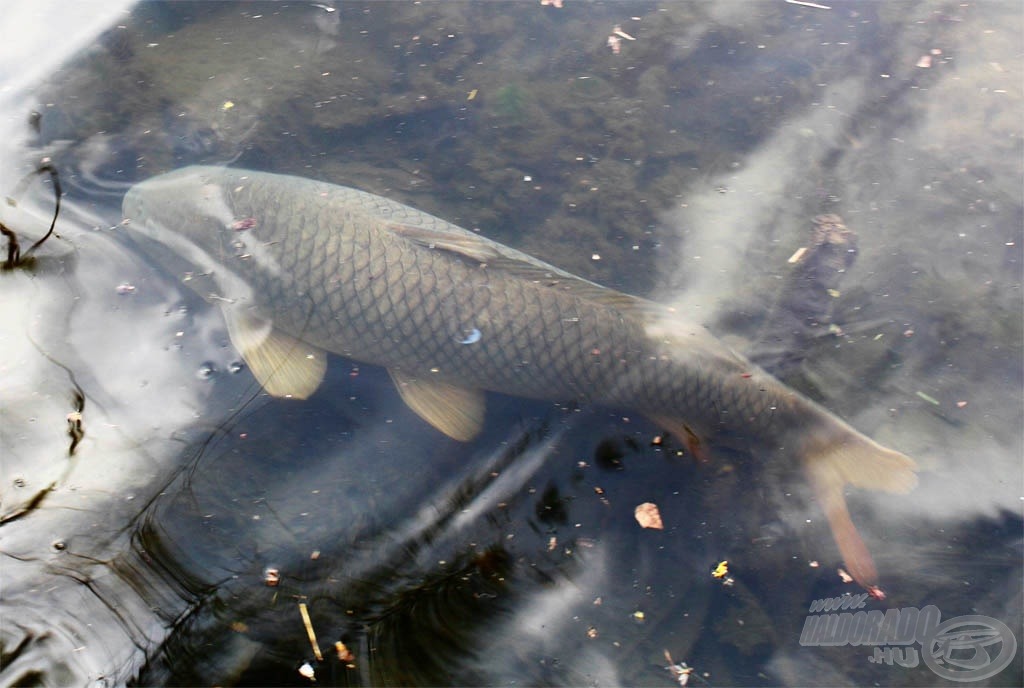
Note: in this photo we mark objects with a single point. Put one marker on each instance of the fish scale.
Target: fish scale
(305, 267)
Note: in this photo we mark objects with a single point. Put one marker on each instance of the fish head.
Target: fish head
(186, 205)
(187, 222)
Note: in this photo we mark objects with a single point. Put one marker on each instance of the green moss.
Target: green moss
(510, 104)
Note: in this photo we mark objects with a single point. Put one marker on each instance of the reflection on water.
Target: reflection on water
(688, 165)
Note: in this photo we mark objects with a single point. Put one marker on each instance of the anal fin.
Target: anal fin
(285, 366)
(456, 411)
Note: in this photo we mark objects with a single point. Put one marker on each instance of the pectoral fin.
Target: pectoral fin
(284, 365)
(456, 411)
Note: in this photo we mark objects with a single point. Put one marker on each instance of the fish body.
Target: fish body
(302, 267)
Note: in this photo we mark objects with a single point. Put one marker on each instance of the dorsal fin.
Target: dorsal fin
(494, 256)
(465, 245)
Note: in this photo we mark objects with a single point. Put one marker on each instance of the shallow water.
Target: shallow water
(688, 167)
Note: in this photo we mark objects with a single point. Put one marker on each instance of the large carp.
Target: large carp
(301, 267)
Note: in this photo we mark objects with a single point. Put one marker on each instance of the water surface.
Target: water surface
(688, 166)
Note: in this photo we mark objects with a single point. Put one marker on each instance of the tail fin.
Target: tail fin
(853, 459)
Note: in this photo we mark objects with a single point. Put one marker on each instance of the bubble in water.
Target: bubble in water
(235, 366)
(206, 370)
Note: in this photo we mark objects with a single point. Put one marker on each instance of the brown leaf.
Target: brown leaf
(648, 517)
(344, 654)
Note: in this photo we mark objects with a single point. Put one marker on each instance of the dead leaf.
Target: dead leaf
(344, 654)
(648, 517)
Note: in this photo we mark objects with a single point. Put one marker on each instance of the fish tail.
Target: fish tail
(850, 458)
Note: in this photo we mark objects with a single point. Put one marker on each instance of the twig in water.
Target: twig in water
(14, 254)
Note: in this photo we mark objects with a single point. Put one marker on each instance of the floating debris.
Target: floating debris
(307, 671)
(75, 430)
(844, 576)
(344, 654)
(722, 570)
(472, 338)
(617, 31)
(271, 577)
(125, 288)
(804, 3)
(309, 631)
(680, 672)
(243, 224)
(930, 399)
(14, 255)
(647, 516)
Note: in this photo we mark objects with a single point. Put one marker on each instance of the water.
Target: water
(688, 167)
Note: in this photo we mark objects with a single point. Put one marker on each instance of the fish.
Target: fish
(301, 268)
